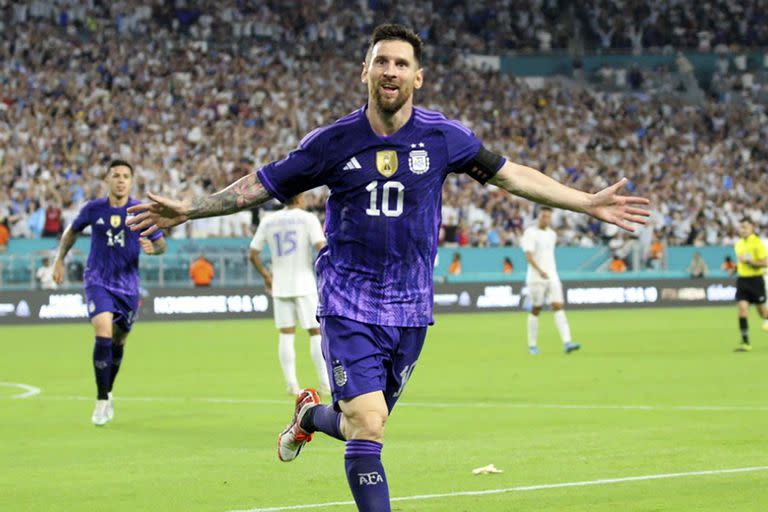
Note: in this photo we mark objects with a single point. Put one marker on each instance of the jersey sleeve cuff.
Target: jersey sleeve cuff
(270, 186)
(501, 164)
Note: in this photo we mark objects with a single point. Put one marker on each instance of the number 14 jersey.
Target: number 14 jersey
(383, 213)
(113, 260)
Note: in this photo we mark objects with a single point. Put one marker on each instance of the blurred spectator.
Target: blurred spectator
(450, 222)
(454, 268)
(507, 267)
(698, 267)
(75, 269)
(53, 226)
(201, 271)
(462, 236)
(36, 219)
(728, 265)
(44, 275)
(655, 254)
(5, 236)
(617, 264)
(493, 238)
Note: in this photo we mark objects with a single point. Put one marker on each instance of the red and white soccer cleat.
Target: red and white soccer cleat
(292, 439)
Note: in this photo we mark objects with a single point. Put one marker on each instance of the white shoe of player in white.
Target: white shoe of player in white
(111, 407)
(100, 415)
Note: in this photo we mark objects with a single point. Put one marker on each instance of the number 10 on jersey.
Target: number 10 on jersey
(374, 210)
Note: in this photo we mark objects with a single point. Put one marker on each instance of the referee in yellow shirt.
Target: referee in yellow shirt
(750, 285)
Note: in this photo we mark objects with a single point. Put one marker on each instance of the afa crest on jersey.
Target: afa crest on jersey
(115, 221)
(418, 161)
(386, 162)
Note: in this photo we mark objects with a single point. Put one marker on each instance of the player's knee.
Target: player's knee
(535, 311)
(368, 425)
(287, 330)
(314, 331)
(556, 306)
(103, 330)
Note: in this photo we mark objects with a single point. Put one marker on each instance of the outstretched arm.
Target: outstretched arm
(605, 205)
(163, 212)
(247, 192)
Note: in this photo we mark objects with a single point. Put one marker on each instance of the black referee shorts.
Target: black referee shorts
(751, 289)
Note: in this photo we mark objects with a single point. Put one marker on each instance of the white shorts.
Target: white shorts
(546, 292)
(290, 309)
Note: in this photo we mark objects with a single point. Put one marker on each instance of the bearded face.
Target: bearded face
(389, 94)
(391, 73)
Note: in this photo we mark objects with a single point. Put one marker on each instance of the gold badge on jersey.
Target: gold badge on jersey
(386, 163)
(115, 221)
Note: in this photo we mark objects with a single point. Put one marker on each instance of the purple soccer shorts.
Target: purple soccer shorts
(362, 358)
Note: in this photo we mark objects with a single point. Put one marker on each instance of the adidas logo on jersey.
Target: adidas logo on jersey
(100, 221)
(352, 165)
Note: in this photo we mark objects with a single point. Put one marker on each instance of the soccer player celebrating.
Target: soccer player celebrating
(291, 234)
(750, 285)
(543, 283)
(111, 277)
(385, 164)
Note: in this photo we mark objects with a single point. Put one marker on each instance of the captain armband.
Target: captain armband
(484, 166)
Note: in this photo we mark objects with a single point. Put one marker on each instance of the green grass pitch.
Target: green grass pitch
(199, 405)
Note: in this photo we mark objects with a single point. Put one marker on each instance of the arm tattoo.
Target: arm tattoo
(68, 239)
(247, 192)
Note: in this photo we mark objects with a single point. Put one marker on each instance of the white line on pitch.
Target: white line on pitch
(439, 405)
(29, 390)
(175, 399)
(603, 481)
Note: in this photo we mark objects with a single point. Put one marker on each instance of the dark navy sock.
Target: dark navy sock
(117, 358)
(366, 477)
(325, 419)
(102, 365)
(744, 328)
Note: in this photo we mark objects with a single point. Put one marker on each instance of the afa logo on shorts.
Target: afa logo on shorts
(339, 373)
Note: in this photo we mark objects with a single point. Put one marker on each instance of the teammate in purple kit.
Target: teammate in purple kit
(111, 277)
(385, 165)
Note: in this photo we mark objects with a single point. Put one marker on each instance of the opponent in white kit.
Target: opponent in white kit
(292, 234)
(543, 283)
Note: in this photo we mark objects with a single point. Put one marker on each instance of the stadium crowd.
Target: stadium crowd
(84, 82)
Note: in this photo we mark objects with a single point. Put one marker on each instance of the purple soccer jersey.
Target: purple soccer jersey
(113, 261)
(383, 214)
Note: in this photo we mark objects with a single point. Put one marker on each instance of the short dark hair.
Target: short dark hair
(395, 31)
(119, 163)
(292, 200)
(747, 220)
(545, 209)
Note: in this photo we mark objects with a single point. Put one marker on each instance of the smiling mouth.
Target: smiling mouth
(390, 89)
